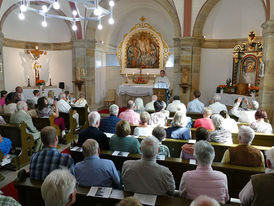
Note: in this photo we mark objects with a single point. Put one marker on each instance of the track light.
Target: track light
(56, 5)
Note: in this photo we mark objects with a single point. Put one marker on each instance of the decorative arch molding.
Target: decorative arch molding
(17, 5)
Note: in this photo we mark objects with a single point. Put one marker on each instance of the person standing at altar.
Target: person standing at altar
(150, 106)
(196, 106)
(162, 81)
(64, 107)
(36, 94)
(129, 115)
(217, 106)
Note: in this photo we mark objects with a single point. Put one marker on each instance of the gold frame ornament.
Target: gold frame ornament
(160, 49)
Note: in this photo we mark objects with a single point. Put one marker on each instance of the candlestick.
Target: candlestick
(50, 82)
(28, 82)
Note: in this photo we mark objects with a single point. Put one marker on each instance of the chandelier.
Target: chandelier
(51, 5)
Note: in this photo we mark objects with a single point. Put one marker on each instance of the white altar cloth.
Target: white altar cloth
(228, 99)
(135, 90)
(28, 93)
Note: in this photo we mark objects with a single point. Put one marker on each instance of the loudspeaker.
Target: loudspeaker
(61, 85)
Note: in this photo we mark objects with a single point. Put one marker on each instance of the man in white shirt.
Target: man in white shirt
(216, 106)
(36, 94)
(64, 107)
(176, 105)
(195, 105)
(145, 175)
(162, 81)
(245, 115)
(150, 105)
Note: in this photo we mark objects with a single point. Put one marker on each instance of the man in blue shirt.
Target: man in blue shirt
(49, 159)
(196, 106)
(108, 124)
(93, 171)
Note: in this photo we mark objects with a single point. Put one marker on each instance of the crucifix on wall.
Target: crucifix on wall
(35, 54)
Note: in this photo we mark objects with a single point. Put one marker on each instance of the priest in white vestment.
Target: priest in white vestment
(162, 81)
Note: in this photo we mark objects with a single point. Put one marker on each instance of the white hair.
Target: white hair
(113, 109)
(217, 98)
(247, 134)
(139, 104)
(207, 111)
(62, 96)
(204, 200)
(57, 187)
(204, 153)
(218, 121)
(21, 105)
(145, 117)
(180, 119)
(93, 118)
(254, 105)
(90, 147)
(150, 147)
(270, 156)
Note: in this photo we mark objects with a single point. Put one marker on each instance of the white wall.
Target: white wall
(100, 84)
(216, 67)
(18, 66)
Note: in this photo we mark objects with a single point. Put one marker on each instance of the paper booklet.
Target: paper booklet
(103, 192)
(76, 149)
(119, 153)
(146, 199)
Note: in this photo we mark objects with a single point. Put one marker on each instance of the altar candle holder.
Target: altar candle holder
(28, 82)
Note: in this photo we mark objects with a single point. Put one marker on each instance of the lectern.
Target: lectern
(160, 93)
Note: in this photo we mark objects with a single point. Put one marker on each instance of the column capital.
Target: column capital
(83, 43)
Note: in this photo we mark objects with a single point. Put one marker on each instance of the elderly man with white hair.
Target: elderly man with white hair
(150, 106)
(22, 116)
(220, 134)
(93, 171)
(63, 106)
(204, 180)
(204, 200)
(176, 105)
(259, 190)
(145, 175)
(59, 188)
(129, 115)
(205, 122)
(244, 154)
(108, 124)
(92, 132)
(216, 106)
(245, 115)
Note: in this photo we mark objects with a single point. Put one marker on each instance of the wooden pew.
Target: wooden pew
(71, 125)
(260, 139)
(29, 193)
(40, 123)
(83, 116)
(22, 143)
(237, 176)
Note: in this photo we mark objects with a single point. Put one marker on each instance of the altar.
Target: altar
(28, 91)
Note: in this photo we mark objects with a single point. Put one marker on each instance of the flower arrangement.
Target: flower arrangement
(40, 82)
(140, 80)
(253, 89)
(221, 86)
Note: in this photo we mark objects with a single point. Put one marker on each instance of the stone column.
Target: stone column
(187, 62)
(266, 96)
(2, 83)
(84, 58)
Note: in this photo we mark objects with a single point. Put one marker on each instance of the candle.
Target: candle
(126, 74)
(50, 76)
(28, 76)
(147, 73)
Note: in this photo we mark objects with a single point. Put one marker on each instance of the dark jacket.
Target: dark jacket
(108, 124)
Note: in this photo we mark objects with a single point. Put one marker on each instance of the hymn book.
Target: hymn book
(103, 192)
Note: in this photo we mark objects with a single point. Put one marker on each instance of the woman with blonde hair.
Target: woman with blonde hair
(144, 129)
(50, 97)
(139, 105)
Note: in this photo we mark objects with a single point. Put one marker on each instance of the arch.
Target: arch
(17, 5)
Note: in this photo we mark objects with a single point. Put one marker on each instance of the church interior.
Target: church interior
(214, 46)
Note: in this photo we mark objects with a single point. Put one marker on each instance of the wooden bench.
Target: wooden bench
(237, 176)
(29, 193)
(260, 139)
(71, 125)
(22, 143)
(83, 116)
(40, 123)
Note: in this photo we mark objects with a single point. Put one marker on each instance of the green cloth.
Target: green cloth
(8, 201)
(164, 150)
(125, 144)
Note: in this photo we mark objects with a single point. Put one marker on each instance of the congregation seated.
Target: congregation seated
(63, 106)
(179, 130)
(220, 134)
(229, 123)
(259, 190)
(216, 106)
(5, 145)
(93, 171)
(204, 180)
(19, 94)
(260, 125)
(160, 134)
(59, 188)
(108, 124)
(144, 129)
(145, 175)
(204, 200)
(139, 105)
(93, 132)
(150, 106)
(44, 110)
(176, 105)
(50, 97)
(36, 95)
(244, 154)
(188, 149)
(166, 112)
(158, 118)
(245, 115)
(69, 98)
(49, 158)
(129, 115)
(22, 116)
(81, 102)
(10, 105)
(4, 94)
(31, 108)
(122, 141)
(195, 106)
(205, 122)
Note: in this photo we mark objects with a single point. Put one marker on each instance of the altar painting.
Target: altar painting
(248, 70)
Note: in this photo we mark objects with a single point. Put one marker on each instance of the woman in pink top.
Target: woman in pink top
(3, 97)
(205, 122)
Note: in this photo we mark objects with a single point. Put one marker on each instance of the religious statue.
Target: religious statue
(35, 54)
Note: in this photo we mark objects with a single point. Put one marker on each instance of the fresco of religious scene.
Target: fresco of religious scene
(142, 51)
(249, 70)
